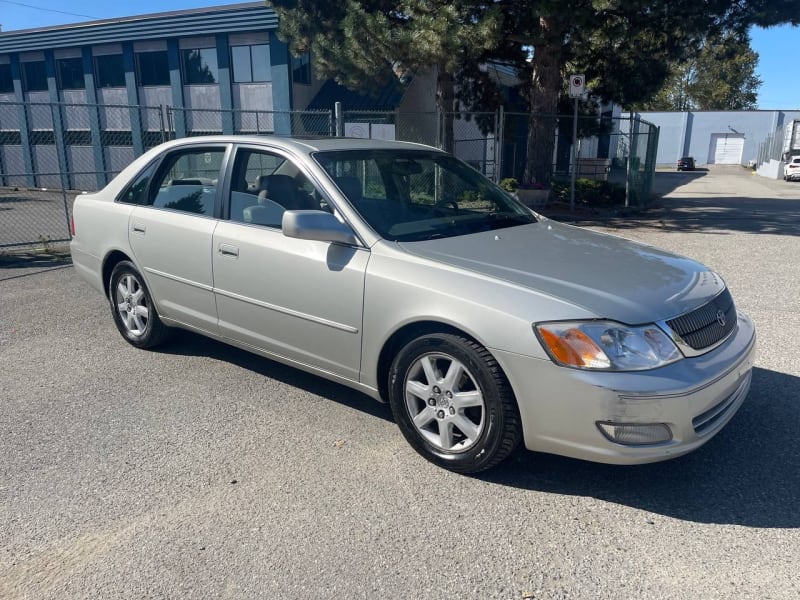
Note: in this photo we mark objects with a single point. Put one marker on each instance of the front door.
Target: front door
(299, 299)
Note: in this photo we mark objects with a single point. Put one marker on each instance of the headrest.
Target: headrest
(280, 185)
(262, 182)
(350, 186)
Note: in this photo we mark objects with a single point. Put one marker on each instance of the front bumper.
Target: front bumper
(694, 398)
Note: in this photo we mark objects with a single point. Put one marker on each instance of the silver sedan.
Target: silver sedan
(400, 271)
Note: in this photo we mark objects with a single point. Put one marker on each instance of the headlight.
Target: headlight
(606, 345)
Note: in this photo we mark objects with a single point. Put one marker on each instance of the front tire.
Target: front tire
(453, 403)
(133, 309)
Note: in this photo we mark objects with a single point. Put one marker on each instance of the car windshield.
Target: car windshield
(413, 195)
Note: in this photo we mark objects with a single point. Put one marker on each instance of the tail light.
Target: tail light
(72, 225)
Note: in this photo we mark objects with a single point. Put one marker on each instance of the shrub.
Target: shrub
(509, 184)
(591, 192)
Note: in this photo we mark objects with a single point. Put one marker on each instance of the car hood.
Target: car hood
(607, 276)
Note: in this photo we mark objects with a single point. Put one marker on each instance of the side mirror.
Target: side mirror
(316, 225)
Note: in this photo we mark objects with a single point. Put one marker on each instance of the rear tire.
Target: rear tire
(133, 309)
(453, 403)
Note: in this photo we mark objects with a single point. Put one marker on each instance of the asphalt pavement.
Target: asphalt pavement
(201, 471)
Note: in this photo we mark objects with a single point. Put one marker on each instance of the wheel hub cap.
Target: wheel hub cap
(444, 402)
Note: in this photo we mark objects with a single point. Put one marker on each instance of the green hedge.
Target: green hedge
(590, 192)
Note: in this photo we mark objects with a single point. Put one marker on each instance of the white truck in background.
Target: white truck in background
(791, 140)
(791, 151)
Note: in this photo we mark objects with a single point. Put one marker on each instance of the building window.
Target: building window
(6, 81)
(34, 76)
(301, 68)
(250, 63)
(109, 70)
(70, 74)
(152, 68)
(200, 66)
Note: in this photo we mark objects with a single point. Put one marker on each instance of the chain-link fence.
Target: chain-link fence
(185, 122)
(49, 152)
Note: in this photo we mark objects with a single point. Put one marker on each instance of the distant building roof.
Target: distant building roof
(248, 16)
(387, 97)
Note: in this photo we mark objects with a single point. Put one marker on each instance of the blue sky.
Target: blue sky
(780, 88)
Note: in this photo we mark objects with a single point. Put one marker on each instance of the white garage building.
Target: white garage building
(715, 137)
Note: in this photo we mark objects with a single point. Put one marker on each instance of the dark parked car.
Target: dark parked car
(686, 164)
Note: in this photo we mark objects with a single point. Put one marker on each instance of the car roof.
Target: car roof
(305, 145)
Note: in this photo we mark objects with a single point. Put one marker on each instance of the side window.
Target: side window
(187, 181)
(136, 192)
(264, 186)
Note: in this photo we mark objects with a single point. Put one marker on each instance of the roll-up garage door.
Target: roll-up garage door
(726, 148)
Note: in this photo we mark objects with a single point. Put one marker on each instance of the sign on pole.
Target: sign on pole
(577, 85)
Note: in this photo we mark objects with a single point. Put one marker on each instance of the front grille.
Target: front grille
(703, 327)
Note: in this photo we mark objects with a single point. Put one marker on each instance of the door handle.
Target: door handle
(139, 228)
(228, 250)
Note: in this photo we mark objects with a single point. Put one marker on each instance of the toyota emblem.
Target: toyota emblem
(721, 317)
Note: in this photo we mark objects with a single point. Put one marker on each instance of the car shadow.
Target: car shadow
(747, 475)
(187, 343)
(11, 264)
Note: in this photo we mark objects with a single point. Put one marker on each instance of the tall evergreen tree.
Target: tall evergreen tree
(625, 47)
(362, 44)
(725, 74)
(722, 76)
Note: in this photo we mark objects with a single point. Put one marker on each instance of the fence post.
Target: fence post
(500, 131)
(438, 128)
(27, 148)
(628, 162)
(161, 111)
(652, 155)
(634, 168)
(3, 178)
(61, 149)
(339, 119)
(61, 154)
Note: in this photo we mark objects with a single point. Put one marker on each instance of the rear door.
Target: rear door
(171, 234)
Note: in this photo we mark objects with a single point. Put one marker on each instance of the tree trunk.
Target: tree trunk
(445, 102)
(545, 88)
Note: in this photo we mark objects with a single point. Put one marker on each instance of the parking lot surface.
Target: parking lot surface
(201, 471)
